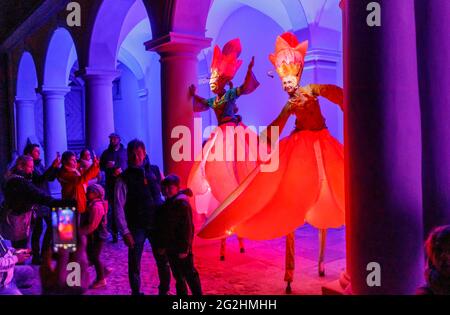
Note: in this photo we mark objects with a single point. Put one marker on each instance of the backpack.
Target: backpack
(16, 227)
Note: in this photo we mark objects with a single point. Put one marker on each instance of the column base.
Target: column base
(342, 286)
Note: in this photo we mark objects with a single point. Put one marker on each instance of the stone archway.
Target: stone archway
(25, 100)
(107, 35)
(178, 38)
(61, 55)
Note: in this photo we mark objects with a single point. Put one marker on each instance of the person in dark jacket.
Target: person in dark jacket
(113, 162)
(137, 198)
(40, 178)
(21, 197)
(176, 233)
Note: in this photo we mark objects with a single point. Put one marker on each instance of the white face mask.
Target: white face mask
(213, 81)
(290, 83)
(216, 82)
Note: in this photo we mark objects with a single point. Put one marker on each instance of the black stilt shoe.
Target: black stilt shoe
(321, 269)
(288, 288)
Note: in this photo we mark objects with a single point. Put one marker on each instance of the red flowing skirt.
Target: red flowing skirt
(227, 158)
(307, 186)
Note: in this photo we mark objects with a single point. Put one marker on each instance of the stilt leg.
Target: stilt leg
(223, 245)
(290, 261)
(322, 242)
(241, 245)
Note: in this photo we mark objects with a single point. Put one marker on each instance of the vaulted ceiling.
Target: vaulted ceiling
(13, 13)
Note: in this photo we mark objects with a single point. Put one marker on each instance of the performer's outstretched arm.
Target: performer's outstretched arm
(250, 82)
(200, 103)
(279, 122)
(331, 92)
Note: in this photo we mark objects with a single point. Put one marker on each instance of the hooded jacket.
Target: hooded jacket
(95, 221)
(175, 224)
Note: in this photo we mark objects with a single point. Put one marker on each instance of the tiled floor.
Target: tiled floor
(259, 271)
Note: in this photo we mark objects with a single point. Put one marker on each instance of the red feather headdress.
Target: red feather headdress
(226, 62)
(289, 55)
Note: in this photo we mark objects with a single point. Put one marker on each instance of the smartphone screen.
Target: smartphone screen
(64, 225)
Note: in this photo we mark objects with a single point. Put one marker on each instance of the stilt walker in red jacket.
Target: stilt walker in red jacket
(308, 185)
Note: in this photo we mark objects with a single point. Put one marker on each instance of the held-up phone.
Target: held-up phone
(64, 226)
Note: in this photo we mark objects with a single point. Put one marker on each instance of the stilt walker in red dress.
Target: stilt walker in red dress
(227, 156)
(308, 185)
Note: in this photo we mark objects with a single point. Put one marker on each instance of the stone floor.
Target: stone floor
(258, 271)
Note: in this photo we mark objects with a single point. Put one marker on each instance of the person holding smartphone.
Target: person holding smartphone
(21, 198)
(41, 178)
(73, 181)
(85, 161)
(12, 275)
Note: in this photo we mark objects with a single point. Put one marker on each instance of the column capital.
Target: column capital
(98, 74)
(24, 101)
(53, 91)
(143, 93)
(323, 58)
(178, 44)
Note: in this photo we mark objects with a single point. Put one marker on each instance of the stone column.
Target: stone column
(178, 71)
(55, 132)
(144, 119)
(99, 107)
(382, 149)
(25, 122)
(433, 23)
(344, 278)
(321, 68)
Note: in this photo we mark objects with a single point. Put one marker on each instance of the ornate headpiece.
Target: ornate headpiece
(226, 63)
(289, 55)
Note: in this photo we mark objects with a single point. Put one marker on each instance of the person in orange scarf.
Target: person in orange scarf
(73, 182)
(308, 185)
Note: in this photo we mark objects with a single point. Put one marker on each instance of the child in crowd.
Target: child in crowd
(94, 226)
(176, 233)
